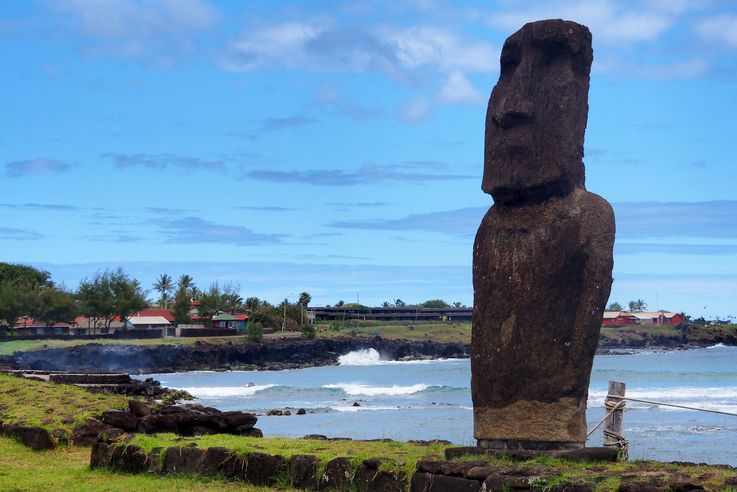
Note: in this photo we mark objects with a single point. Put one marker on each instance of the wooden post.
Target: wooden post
(613, 424)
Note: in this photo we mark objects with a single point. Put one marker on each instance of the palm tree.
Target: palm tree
(164, 287)
(637, 305)
(185, 282)
(304, 301)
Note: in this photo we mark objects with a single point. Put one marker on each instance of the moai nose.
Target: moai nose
(513, 110)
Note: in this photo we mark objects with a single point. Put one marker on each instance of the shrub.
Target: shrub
(255, 332)
(309, 331)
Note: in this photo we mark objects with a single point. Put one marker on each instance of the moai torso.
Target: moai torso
(543, 253)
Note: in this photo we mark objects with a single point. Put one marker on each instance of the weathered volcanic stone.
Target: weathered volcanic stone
(542, 260)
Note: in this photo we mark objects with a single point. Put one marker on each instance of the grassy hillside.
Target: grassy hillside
(49, 405)
(67, 468)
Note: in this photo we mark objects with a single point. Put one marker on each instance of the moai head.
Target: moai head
(536, 118)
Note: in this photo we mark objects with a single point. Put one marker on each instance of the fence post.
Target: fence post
(613, 425)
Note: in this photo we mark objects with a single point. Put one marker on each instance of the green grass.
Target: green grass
(50, 405)
(67, 468)
(437, 332)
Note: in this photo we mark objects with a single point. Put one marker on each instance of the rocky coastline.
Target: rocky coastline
(273, 355)
(289, 353)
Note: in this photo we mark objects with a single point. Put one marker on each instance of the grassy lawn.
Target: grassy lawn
(67, 468)
(437, 332)
(49, 405)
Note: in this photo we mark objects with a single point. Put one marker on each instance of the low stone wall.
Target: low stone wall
(299, 471)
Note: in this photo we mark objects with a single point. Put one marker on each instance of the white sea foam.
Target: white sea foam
(354, 389)
(351, 408)
(371, 357)
(365, 357)
(222, 391)
(718, 345)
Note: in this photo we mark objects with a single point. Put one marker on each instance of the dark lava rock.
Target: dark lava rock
(427, 482)
(375, 480)
(36, 438)
(239, 420)
(252, 432)
(264, 469)
(86, 433)
(303, 469)
(155, 424)
(213, 460)
(182, 460)
(129, 459)
(542, 264)
(118, 418)
(301, 411)
(139, 408)
(337, 475)
(100, 455)
(641, 487)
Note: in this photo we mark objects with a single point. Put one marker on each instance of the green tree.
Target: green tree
(400, 303)
(615, 306)
(304, 301)
(182, 300)
(637, 305)
(164, 287)
(255, 332)
(435, 303)
(385, 304)
(187, 283)
(55, 305)
(110, 294)
(24, 274)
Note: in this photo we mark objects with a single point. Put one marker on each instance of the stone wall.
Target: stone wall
(298, 471)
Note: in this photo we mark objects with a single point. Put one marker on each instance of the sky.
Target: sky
(337, 147)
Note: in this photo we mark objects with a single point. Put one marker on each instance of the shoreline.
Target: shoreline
(283, 354)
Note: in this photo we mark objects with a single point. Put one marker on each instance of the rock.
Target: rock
(337, 475)
(264, 469)
(156, 460)
(129, 459)
(301, 411)
(213, 460)
(60, 436)
(356, 404)
(252, 432)
(427, 482)
(239, 420)
(139, 408)
(110, 436)
(100, 455)
(182, 460)
(685, 486)
(156, 423)
(118, 418)
(36, 438)
(303, 469)
(287, 413)
(274, 412)
(375, 480)
(316, 437)
(542, 260)
(641, 487)
(86, 433)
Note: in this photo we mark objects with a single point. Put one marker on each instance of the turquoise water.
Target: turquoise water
(432, 400)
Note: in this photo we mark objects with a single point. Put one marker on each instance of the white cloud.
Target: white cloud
(431, 46)
(325, 45)
(609, 21)
(155, 30)
(414, 112)
(720, 29)
(458, 89)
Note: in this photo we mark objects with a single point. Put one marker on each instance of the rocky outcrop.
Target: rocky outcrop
(36, 438)
(542, 260)
(184, 420)
(274, 355)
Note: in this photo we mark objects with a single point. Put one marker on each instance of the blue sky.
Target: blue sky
(337, 147)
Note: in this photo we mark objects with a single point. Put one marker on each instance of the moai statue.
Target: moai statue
(542, 259)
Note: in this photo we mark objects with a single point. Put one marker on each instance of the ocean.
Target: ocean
(367, 397)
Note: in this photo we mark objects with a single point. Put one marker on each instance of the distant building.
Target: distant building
(403, 314)
(230, 321)
(622, 318)
(147, 323)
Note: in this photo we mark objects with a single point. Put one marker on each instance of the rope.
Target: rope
(613, 438)
(673, 405)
